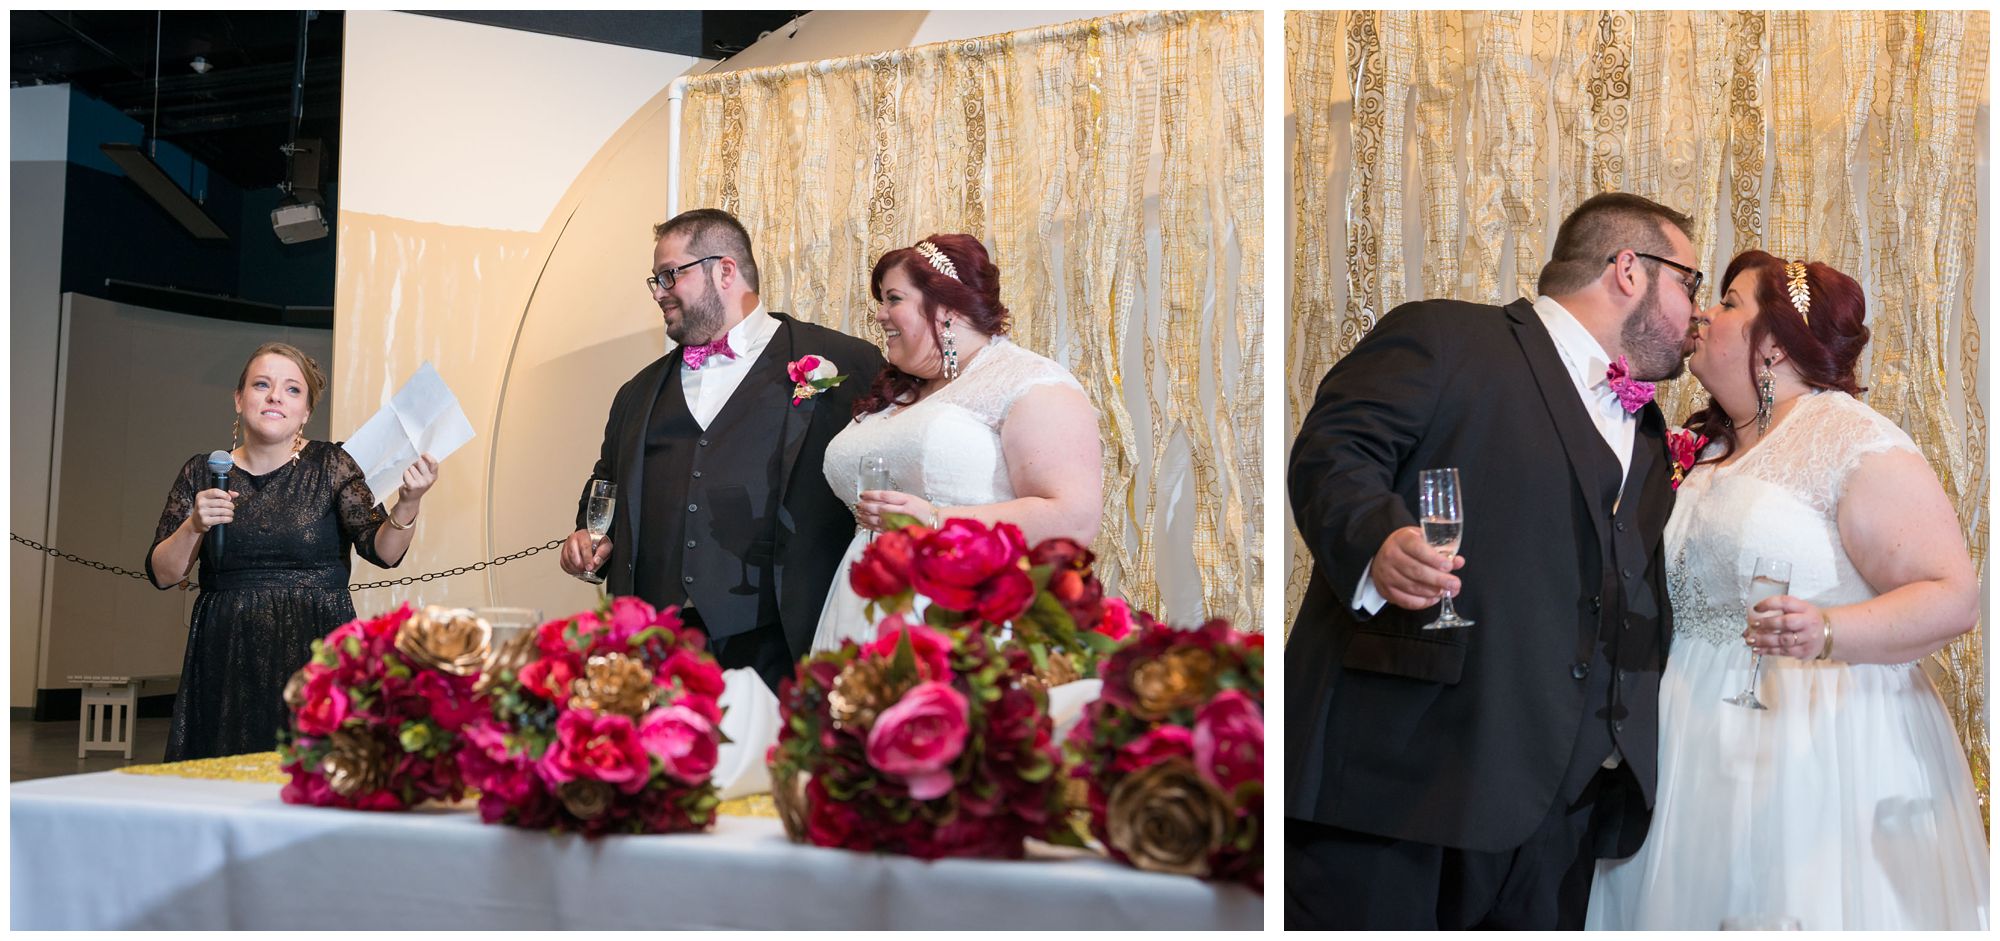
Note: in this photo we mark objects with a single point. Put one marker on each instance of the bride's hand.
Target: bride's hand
(1784, 626)
(875, 504)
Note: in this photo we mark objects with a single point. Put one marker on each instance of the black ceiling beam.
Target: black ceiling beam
(63, 20)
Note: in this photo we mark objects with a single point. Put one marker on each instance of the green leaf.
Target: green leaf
(351, 646)
(1039, 771)
(895, 521)
(1064, 834)
(415, 736)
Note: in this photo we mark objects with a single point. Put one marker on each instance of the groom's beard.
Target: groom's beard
(700, 320)
(1654, 349)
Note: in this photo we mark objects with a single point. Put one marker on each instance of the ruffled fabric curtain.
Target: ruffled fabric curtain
(1435, 152)
(1113, 167)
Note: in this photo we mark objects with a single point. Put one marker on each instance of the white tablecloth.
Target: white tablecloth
(114, 850)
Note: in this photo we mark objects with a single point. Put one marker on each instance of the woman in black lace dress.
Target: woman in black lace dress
(294, 508)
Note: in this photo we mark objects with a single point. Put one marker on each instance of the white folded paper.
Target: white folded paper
(423, 417)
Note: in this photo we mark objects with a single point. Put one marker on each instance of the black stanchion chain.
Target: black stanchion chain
(190, 586)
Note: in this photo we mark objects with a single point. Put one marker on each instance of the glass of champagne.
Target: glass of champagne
(1771, 578)
(875, 476)
(1443, 514)
(603, 500)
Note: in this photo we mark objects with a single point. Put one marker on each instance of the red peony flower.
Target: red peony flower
(884, 568)
(1229, 740)
(1003, 597)
(932, 649)
(697, 674)
(684, 740)
(918, 738)
(326, 705)
(1167, 741)
(602, 748)
(953, 563)
(834, 823)
(451, 703)
(550, 677)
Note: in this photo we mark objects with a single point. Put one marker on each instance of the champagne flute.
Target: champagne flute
(1443, 514)
(875, 476)
(1771, 578)
(597, 515)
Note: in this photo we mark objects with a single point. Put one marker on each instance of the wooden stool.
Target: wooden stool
(110, 704)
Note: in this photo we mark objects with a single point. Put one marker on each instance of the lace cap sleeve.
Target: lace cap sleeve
(180, 503)
(1862, 432)
(360, 513)
(1014, 372)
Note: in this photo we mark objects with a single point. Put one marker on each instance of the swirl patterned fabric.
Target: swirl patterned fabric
(1044, 144)
(1676, 106)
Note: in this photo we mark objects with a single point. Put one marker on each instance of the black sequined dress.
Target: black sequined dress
(280, 585)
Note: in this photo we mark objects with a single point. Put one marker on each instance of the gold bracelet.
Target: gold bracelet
(934, 518)
(1826, 627)
(391, 514)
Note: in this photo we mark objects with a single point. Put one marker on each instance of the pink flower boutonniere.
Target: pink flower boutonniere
(1683, 449)
(1632, 394)
(812, 375)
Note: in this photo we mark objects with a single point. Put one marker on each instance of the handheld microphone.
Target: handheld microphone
(219, 464)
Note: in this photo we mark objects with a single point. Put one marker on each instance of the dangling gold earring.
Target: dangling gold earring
(299, 441)
(236, 433)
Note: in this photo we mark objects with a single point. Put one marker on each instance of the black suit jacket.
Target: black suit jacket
(1461, 737)
(813, 526)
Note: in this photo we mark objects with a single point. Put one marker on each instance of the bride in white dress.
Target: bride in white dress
(969, 424)
(1848, 803)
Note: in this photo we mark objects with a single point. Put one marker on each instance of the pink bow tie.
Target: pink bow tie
(1632, 394)
(697, 356)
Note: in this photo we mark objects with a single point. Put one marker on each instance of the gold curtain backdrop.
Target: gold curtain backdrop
(1113, 167)
(1434, 152)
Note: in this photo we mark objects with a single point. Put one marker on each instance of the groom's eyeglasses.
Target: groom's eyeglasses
(1690, 277)
(664, 281)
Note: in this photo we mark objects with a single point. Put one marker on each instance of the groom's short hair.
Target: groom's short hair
(1602, 226)
(713, 232)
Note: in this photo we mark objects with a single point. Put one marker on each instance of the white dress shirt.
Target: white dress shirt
(1588, 364)
(708, 389)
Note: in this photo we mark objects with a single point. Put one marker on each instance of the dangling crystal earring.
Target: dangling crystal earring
(1767, 382)
(950, 345)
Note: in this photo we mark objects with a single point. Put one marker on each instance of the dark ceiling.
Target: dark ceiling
(235, 116)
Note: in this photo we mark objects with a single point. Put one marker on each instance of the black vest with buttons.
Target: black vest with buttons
(1627, 616)
(709, 506)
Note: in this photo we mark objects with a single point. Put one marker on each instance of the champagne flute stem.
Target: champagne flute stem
(1756, 670)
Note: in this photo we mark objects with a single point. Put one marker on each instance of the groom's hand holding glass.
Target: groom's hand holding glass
(1411, 573)
(578, 556)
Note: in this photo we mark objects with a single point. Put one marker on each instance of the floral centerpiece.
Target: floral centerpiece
(928, 741)
(1173, 752)
(379, 712)
(604, 722)
(969, 572)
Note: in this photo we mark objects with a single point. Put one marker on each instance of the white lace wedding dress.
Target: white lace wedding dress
(1849, 803)
(945, 448)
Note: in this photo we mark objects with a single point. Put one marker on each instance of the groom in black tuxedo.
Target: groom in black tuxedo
(1469, 777)
(722, 504)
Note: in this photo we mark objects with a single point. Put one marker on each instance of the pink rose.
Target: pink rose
(488, 764)
(918, 738)
(1167, 741)
(629, 616)
(1117, 622)
(603, 748)
(801, 369)
(1229, 740)
(932, 649)
(325, 707)
(684, 741)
